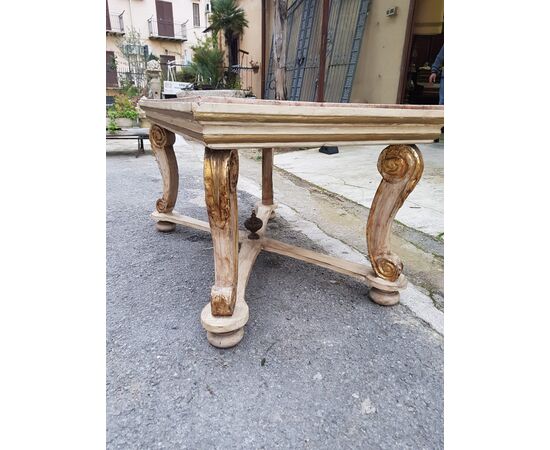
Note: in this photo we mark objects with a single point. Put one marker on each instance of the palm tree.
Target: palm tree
(230, 19)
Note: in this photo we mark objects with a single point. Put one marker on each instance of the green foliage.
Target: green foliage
(123, 108)
(129, 89)
(228, 18)
(186, 75)
(112, 126)
(207, 63)
(232, 81)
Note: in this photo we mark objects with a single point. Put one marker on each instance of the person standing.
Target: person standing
(437, 68)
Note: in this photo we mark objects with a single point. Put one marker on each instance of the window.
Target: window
(196, 15)
(165, 18)
(112, 78)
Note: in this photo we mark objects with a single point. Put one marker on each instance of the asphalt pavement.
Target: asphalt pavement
(320, 365)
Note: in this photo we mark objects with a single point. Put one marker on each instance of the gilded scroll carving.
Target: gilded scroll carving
(221, 173)
(162, 142)
(401, 167)
(162, 206)
(388, 266)
(160, 137)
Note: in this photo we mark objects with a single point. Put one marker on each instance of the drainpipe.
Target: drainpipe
(131, 18)
(323, 52)
(183, 42)
(263, 60)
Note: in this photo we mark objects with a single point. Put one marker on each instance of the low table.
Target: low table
(225, 125)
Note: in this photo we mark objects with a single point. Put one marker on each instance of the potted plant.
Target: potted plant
(123, 114)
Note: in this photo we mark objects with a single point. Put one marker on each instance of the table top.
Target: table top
(225, 123)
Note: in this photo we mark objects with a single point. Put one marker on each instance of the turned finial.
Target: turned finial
(253, 224)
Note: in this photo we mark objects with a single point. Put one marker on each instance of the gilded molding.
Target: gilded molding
(230, 138)
(202, 116)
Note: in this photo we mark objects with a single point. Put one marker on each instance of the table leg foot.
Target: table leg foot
(225, 340)
(383, 298)
(384, 292)
(165, 227)
(225, 331)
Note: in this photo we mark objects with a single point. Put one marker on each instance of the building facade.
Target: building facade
(136, 29)
(378, 51)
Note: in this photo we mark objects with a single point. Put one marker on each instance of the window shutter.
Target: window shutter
(196, 15)
(165, 18)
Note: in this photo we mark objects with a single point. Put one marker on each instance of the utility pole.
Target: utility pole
(264, 57)
(323, 52)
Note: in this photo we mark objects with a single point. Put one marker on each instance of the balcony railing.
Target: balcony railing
(166, 30)
(116, 25)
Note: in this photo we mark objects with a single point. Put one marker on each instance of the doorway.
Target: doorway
(424, 40)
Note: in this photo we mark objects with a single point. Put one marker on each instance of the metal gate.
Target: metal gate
(346, 26)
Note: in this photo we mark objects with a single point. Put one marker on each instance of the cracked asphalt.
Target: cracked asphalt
(320, 366)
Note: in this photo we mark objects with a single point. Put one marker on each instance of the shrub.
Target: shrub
(129, 89)
(186, 75)
(112, 126)
(207, 63)
(123, 108)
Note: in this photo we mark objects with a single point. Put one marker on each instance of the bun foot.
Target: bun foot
(165, 227)
(225, 340)
(383, 298)
(384, 292)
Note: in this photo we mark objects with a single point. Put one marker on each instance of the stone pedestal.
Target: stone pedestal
(154, 86)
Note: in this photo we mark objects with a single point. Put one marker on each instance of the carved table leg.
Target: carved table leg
(267, 181)
(267, 176)
(162, 142)
(401, 167)
(221, 171)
